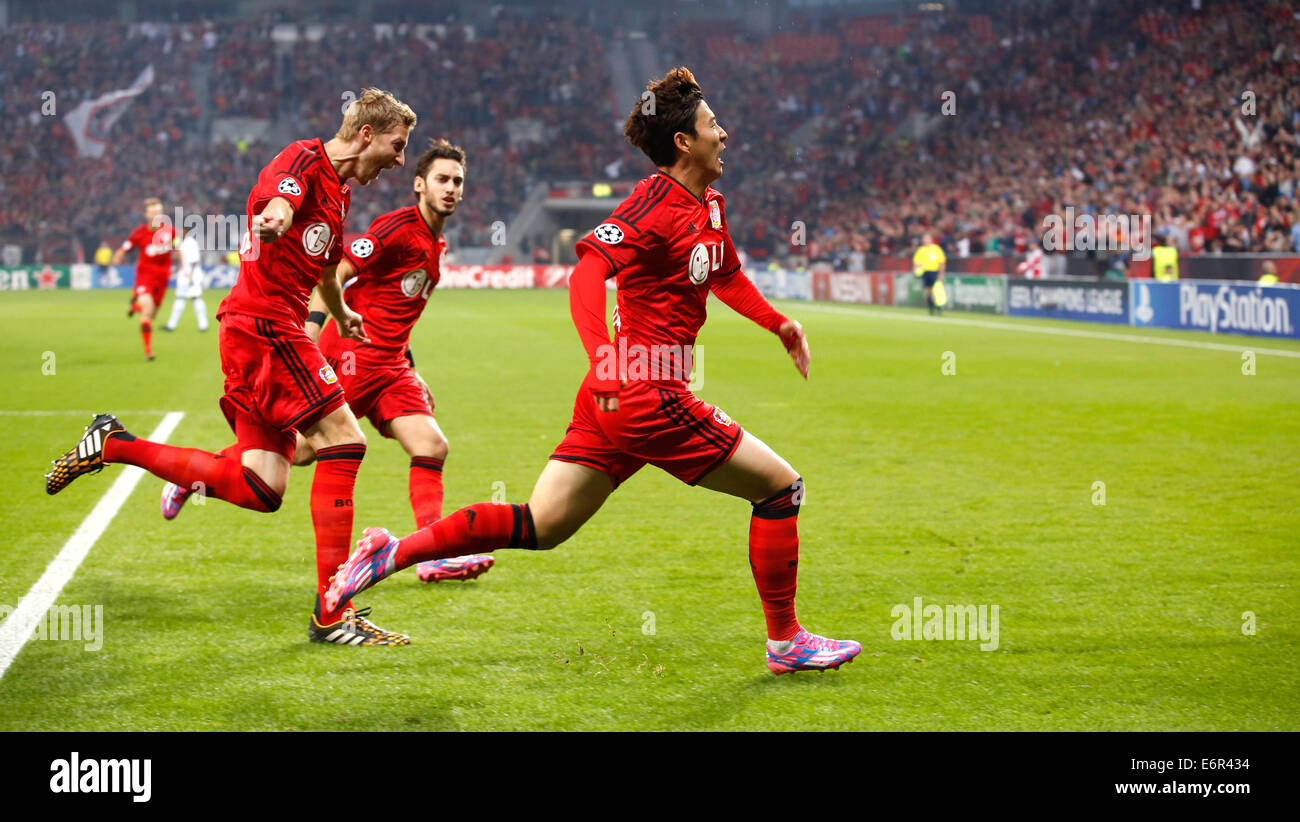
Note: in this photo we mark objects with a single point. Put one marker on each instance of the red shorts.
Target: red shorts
(669, 428)
(380, 392)
(154, 286)
(277, 382)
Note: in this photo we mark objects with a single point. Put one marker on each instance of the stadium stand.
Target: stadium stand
(835, 120)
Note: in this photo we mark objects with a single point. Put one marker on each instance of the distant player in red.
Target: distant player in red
(153, 238)
(277, 381)
(669, 248)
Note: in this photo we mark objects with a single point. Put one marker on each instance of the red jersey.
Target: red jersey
(398, 263)
(155, 246)
(276, 279)
(667, 249)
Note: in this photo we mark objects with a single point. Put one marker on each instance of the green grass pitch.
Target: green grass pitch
(971, 488)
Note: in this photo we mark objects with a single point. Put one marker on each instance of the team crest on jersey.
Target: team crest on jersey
(316, 239)
(721, 417)
(609, 233)
(363, 247)
(699, 268)
(715, 214)
(327, 375)
(289, 186)
(413, 282)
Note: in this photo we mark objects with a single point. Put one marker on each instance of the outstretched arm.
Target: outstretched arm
(739, 292)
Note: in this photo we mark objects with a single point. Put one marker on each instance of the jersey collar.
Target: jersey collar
(329, 163)
(687, 191)
(425, 223)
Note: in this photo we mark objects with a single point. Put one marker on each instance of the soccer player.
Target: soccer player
(277, 380)
(668, 246)
(389, 273)
(928, 263)
(153, 267)
(189, 285)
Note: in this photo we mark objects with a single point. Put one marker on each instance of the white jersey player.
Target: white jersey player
(189, 286)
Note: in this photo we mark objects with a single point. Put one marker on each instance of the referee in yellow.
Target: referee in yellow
(928, 263)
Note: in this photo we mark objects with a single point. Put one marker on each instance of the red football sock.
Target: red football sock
(774, 558)
(478, 529)
(146, 331)
(426, 490)
(331, 514)
(215, 475)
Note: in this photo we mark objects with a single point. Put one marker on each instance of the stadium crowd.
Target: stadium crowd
(1190, 116)
(1135, 111)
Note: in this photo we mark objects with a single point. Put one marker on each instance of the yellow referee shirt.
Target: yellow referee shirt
(928, 258)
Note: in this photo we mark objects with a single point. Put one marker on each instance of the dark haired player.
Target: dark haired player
(277, 381)
(389, 273)
(669, 247)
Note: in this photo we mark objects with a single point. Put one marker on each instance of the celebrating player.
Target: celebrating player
(153, 238)
(189, 285)
(389, 273)
(277, 380)
(669, 247)
(396, 264)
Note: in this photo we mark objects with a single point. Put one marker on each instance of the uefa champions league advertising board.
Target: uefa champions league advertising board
(1099, 302)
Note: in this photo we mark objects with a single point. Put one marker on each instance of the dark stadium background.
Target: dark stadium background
(833, 108)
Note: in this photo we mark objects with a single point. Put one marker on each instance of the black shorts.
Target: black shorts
(928, 278)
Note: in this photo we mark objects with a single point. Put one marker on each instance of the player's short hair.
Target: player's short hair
(377, 109)
(656, 119)
(149, 201)
(439, 149)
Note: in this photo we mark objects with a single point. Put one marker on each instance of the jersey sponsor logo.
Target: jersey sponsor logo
(316, 239)
(327, 375)
(715, 214)
(413, 282)
(363, 247)
(289, 186)
(721, 417)
(609, 233)
(699, 268)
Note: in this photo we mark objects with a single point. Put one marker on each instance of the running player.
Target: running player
(389, 273)
(277, 381)
(189, 285)
(153, 267)
(669, 247)
(397, 265)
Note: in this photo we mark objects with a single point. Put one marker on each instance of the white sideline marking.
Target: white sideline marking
(18, 628)
(62, 413)
(1064, 332)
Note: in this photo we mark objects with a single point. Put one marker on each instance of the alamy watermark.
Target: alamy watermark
(1098, 232)
(74, 623)
(633, 363)
(919, 622)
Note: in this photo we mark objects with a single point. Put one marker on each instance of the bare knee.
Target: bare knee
(432, 444)
(350, 435)
(336, 430)
(303, 453)
(551, 531)
(275, 474)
